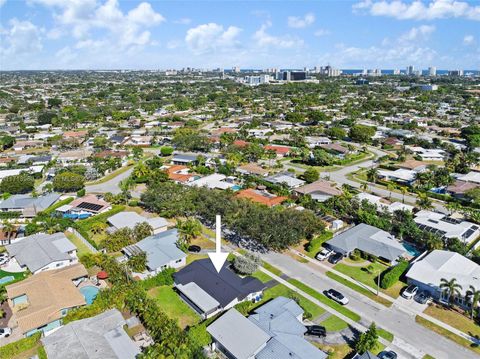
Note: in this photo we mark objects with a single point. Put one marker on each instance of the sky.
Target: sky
(159, 34)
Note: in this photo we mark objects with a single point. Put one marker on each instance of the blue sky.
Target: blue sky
(111, 34)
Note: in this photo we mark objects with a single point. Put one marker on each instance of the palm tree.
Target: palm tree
(423, 201)
(189, 229)
(8, 229)
(364, 186)
(372, 174)
(97, 228)
(390, 188)
(451, 287)
(404, 191)
(474, 294)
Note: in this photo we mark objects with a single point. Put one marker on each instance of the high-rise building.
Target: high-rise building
(455, 73)
(257, 80)
(331, 72)
(410, 70)
(396, 72)
(236, 69)
(432, 71)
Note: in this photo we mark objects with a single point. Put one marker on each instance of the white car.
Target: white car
(5, 332)
(324, 254)
(336, 296)
(410, 291)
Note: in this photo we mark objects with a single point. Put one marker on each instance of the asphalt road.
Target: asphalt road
(109, 186)
(411, 337)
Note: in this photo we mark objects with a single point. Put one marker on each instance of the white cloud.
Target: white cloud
(183, 21)
(263, 39)
(468, 39)
(418, 33)
(22, 37)
(301, 22)
(124, 30)
(418, 10)
(2, 2)
(211, 37)
(321, 32)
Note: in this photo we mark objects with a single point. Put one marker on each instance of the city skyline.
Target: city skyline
(98, 34)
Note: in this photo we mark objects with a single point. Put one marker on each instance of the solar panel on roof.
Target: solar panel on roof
(90, 206)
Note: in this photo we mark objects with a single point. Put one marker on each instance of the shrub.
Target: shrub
(165, 277)
(12, 350)
(393, 274)
(166, 150)
(247, 264)
(81, 192)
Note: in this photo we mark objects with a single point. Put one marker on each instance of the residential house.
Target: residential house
(180, 173)
(401, 175)
(80, 155)
(215, 181)
(427, 154)
(252, 169)
(79, 136)
(314, 141)
(413, 165)
(185, 159)
(336, 149)
(285, 178)
(274, 330)
(281, 151)
(100, 337)
(112, 154)
(471, 176)
(447, 227)
(84, 207)
(131, 219)
(27, 205)
(428, 272)
(460, 188)
(370, 240)
(40, 252)
(32, 170)
(41, 301)
(382, 204)
(161, 250)
(261, 196)
(320, 190)
(209, 292)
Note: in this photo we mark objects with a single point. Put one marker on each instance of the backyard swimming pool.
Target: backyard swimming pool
(411, 249)
(6, 279)
(90, 293)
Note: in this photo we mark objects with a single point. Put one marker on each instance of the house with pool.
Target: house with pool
(41, 301)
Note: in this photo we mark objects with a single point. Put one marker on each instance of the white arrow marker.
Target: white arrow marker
(218, 258)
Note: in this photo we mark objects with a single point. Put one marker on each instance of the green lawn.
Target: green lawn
(314, 246)
(447, 334)
(454, 319)
(173, 306)
(262, 277)
(385, 334)
(338, 351)
(334, 324)
(271, 268)
(191, 257)
(370, 279)
(82, 248)
(366, 292)
(322, 298)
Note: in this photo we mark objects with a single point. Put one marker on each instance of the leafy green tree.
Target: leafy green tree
(68, 182)
(101, 142)
(138, 262)
(362, 133)
(142, 230)
(294, 117)
(17, 184)
(423, 201)
(336, 132)
(372, 175)
(188, 229)
(45, 118)
(137, 153)
(166, 150)
(368, 340)
(311, 175)
(6, 142)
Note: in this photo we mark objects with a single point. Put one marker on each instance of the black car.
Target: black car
(337, 257)
(316, 330)
(387, 354)
(422, 297)
(194, 249)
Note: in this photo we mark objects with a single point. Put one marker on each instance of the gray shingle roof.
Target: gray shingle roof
(39, 250)
(22, 201)
(130, 219)
(99, 337)
(160, 249)
(369, 239)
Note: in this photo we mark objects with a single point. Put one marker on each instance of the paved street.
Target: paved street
(394, 319)
(109, 186)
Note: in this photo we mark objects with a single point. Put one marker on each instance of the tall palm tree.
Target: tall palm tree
(451, 287)
(8, 229)
(474, 294)
(390, 188)
(372, 174)
(189, 229)
(404, 191)
(423, 201)
(364, 186)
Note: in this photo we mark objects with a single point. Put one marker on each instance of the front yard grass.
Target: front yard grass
(338, 351)
(314, 246)
(322, 298)
(453, 318)
(370, 279)
(173, 306)
(272, 269)
(385, 334)
(366, 292)
(192, 257)
(447, 334)
(261, 276)
(334, 324)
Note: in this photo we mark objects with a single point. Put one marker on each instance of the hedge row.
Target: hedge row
(393, 275)
(13, 350)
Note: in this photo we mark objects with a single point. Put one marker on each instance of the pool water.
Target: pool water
(236, 187)
(412, 250)
(90, 293)
(6, 279)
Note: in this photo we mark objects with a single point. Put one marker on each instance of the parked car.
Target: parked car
(335, 258)
(387, 354)
(324, 254)
(423, 297)
(194, 248)
(316, 330)
(336, 296)
(410, 291)
(5, 332)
